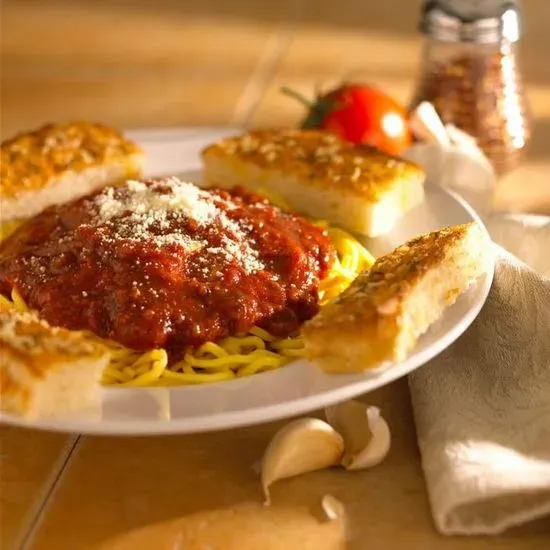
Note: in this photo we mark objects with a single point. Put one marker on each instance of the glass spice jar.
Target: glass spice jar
(470, 74)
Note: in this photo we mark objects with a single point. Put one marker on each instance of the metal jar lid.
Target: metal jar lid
(473, 21)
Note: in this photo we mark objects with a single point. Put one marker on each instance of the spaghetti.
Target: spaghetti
(235, 356)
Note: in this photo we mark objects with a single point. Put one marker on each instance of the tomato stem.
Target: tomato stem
(296, 95)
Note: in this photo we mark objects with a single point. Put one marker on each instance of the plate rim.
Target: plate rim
(257, 414)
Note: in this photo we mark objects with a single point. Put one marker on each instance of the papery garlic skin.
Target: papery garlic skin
(468, 174)
(452, 159)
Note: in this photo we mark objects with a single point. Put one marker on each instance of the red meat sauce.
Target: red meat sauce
(162, 263)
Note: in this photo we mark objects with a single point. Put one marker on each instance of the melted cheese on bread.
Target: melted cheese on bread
(387, 308)
(59, 163)
(318, 174)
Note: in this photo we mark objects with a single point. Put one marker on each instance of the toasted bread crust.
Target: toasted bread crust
(319, 158)
(383, 288)
(24, 333)
(30, 350)
(377, 318)
(29, 161)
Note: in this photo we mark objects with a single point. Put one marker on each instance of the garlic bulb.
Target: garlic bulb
(451, 158)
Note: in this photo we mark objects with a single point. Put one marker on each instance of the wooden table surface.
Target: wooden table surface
(140, 63)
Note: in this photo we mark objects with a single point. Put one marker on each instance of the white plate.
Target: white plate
(295, 389)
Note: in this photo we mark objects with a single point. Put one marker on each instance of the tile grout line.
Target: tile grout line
(40, 504)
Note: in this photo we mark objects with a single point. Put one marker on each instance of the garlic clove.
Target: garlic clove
(332, 507)
(378, 447)
(303, 445)
(350, 420)
(366, 434)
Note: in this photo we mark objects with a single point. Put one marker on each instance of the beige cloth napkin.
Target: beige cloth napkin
(482, 408)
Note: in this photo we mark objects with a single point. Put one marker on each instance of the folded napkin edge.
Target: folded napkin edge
(450, 522)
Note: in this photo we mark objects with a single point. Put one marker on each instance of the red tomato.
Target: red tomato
(361, 114)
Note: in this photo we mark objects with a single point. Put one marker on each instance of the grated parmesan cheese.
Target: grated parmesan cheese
(159, 211)
(157, 199)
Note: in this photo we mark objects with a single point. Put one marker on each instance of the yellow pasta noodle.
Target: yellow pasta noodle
(7, 228)
(234, 356)
(5, 303)
(18, 302)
